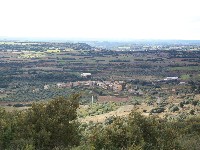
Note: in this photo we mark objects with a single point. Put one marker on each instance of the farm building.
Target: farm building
(171, 78)
(86, 75)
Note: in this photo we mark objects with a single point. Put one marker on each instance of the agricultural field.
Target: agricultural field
(34, 71)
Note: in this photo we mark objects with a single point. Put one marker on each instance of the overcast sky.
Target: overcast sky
(104, 19)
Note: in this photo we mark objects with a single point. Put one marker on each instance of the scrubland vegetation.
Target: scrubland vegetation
(54, 125)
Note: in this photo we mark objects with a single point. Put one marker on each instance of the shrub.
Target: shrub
(181, 104)
(135, 132)
(157, 110)
(174, 108)
(186, 102)
(192, 112)
(18, 105)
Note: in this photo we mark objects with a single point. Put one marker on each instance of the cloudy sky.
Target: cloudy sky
(103, 19)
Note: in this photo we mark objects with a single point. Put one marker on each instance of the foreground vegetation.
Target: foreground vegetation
(54, 125)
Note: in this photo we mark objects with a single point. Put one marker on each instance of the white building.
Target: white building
(171, 78)
(46, 87)
(86, 75)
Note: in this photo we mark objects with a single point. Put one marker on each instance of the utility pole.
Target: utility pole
(92, 99)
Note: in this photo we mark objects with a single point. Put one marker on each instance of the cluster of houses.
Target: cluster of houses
(115, 86)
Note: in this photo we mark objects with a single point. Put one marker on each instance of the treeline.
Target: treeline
(42, 46)
(54, 125)
(183, 54)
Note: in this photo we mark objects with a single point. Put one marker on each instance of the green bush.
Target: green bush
(18, 105)
(157, 110)
(174, 108)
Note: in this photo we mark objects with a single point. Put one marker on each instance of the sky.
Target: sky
(101, 19)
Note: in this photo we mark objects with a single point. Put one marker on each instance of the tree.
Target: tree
(181, 104)
(46, 125)
(194, 102)
(6, 134)
(52, 124)
(134, 132)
